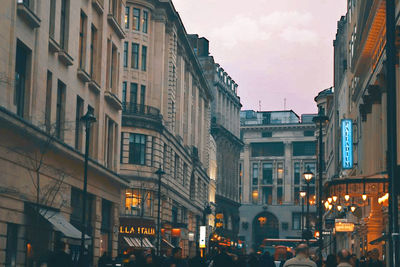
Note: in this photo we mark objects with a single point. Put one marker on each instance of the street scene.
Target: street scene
(199, 133)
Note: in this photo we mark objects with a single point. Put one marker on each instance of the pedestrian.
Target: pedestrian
(197, 261)
(132, 261)
(331, 261)
(301, 259)
(222, 259)
(344, 258)
(374, 259)
(266, 260)
(176, 258)
(61, 257)
(104, 260)
(149, 261)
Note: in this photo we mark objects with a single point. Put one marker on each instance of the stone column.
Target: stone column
(374, 224)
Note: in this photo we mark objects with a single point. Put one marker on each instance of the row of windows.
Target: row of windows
(270, 134)
(135, 56)
(133, 94)
(137, 23)
(277, 149)
(271, 171)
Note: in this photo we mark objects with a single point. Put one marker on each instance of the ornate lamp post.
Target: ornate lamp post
(88, 119)
(302, 195)
(308, 175)
(159, 172)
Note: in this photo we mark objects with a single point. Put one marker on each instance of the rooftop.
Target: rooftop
(251, 117)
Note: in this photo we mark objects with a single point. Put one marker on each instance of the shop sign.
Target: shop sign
(344, 227)
(202, 239)
(137, 227)
(347, 144)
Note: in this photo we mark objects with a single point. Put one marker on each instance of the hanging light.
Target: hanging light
(353, 208)
(330, 207)
(364, 196)
(303, 194)
(329, 200)
(339, 207)
(326, 205)
(308, 175)
(334, 198)
(347, 197)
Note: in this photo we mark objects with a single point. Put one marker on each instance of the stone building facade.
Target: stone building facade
(359, 95)
(165, 124)
(225, 119)
(58, 60)
(279, 146)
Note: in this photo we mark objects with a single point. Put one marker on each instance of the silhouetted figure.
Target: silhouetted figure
(301, 259)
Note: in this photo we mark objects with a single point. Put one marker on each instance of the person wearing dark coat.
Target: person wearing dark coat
(222, 259)
(104, 260)
(175, 259)
(266, 260)
(60, 258)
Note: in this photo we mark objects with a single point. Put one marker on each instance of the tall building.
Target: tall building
(165, 124)
(225, 130)
(279, 147)
(58, 61)
(356, 135)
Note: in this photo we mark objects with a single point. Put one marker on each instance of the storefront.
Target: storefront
(136, 235)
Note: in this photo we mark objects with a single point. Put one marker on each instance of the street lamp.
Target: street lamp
(159, 172)
(88, 119)
(320, 120)
(308, 175)
(302, 195)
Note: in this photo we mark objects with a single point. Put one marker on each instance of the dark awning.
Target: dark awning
(61, 224)
(378, 240)
(138, 242)
(167, 243)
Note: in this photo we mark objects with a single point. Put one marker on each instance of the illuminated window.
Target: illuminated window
(280, 172)
(254, 196)
(127, 17)
(145, 21)
(136, 19)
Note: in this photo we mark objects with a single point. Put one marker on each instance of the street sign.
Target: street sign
(347, 144)
(344, 227)
(202, 239)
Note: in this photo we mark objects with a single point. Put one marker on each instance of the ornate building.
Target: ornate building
(58, 61)
(279, 147)
(165, 123)
(225, 130)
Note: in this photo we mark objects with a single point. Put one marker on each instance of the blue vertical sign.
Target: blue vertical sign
(347, 144)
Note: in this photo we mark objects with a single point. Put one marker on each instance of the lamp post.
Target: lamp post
(308, 175)
(88, 119)
(159, 172)
(320, 120)
(302, 195)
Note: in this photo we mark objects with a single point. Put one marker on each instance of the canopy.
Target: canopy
(138, 242)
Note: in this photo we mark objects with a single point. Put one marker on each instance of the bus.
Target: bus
(282, 249)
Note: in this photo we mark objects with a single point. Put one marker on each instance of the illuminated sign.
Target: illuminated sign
(202, 239)
(347, 144)
(137, 227)
(344, 227)
(130, 230)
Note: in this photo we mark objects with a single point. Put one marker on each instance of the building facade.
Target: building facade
(358, 168)
(165, 124)
(225, 109)
(279, 147)
(59, 61)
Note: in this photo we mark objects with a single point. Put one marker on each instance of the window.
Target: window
(135, 56)
(254, 195)
(267, 193)
(279, 173)
(78, 130)
(11, 244)
(138, 202)
(145, 21)
(142, 94)
(267, 149)
(49, 88)
(308, 133)
(296, 221)
(137, 149)
(82, 41)
(21, 76)
(124, 85)
(285, 226)
(63, 24)
(185, 172)
(136, 19)
(279, 195)
(60, 111)
(176, 166)
(112, 67)
(144, 58)
(296, 195)
(304, 148)
(115, 10)
(296, 173)
(106, 226)
(52, 18)
(267, 173)
(255, 174)
(76, 214)
(133, 94)
(174, 213)
(126, 44)
(93, 52)
(266, 134)
(127, 9)
(110, 147)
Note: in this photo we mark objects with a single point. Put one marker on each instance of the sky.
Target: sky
(273, 49)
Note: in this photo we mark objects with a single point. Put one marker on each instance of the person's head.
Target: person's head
(149, 259)
(177, 253)
(302, 249)
(331, 260)
(343, 256)
(168, 252)
(132, 257)
(375, 254)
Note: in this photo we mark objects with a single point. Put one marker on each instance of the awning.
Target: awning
(378, 240)
(138, 242)
(168, 243)
(61, 224)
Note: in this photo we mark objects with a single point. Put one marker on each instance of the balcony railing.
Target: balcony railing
(138, 109)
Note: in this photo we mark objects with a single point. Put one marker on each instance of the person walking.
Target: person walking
(301, 259)
(344, 258)
(176, 259)
(374, 259)
(331, 261)
(266, 260)
(222, 259)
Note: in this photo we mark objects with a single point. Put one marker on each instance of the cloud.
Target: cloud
(279, 18)
(300, 36)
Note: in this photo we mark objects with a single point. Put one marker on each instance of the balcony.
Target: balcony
(83, 75)
(115, 25)
(24, 11)
(141, 116)
(94, 86)
(65, 58)
(53, 45)
(98, 5)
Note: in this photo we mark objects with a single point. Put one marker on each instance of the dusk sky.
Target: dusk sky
(274, 49)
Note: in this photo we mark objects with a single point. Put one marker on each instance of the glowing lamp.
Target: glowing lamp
(347, 197)
(334, 198)
(339, 207)
(353, 208)
(364, 197)
(329, 200)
